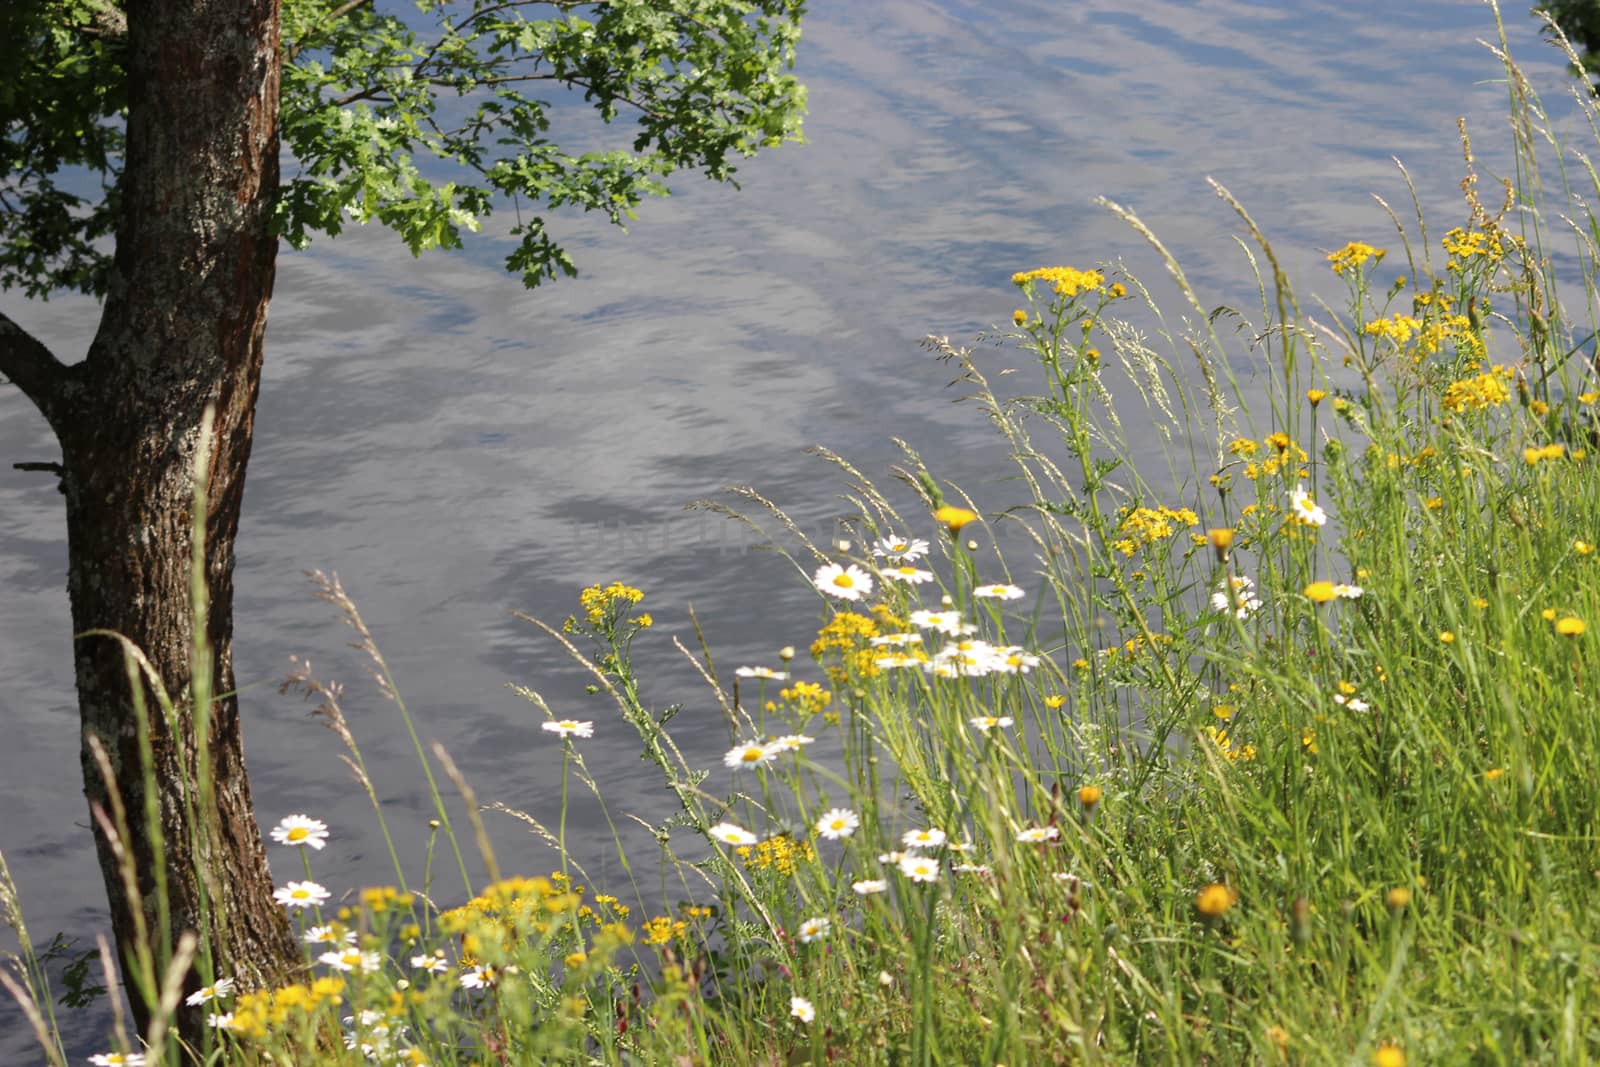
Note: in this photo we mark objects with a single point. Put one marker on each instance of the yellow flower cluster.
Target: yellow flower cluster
(1552, 451)
(782, 854)
(1486, 390)
(809, 697)
(381, 899)
(1465, 244)
(1226, 746)
(1353, 255)
(1134, 646)
(1139, 527)
(849, 635)
(257, 1014)
(663, 928)
(598, 602)
(1397, 328)
(1068, 281)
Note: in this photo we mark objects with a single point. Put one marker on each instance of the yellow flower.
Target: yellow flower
(1224, 711)
(1398, 897)
(1215, 900)
(1494, 773)
(1353, 255)
(1118, 291)
(1548, 614)
(1582, 548)
(1570, 626)
(1446, 636)
(954, 518)
(1019, 317)
(1320, 592)
(1054, 701)
(1389, 1056)
(1221, 539)
(1090, 795)
(1068, 281)
(1316, 396)
(1588, 398)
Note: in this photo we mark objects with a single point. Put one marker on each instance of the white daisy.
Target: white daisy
(979, 869)
(1034, 834)
(301, 830)
(997, 591)
(920, 868)
(790, 742)
(801, 1008)
(896, 661)
(749, 754)
(984, 723)
(892, 858)
(763, 672)
(845, 582)
(895, 639)
(729, 834)
(929, 838)
(221, 988)
(1243, 591)
(569, 728)
(1304, 509)
(1348, 592)
(837, 823)
(813, 930)
(328, 935)
(480, 977)
(900, 549)
(220, 1020)
(301, 895)
(433, 962)
(117, 1059)
(965, 659)
(352, 959)
(909, 575)
(867, 887)
(1013, 659)
(946, 622)
(1357, 704)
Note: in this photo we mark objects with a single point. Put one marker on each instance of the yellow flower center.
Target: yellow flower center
(298, 833)
(843, 581)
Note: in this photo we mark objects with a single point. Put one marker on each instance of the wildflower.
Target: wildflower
(896, 660)
(1548, 614)
(1353, 255)
(1215, 900)
(481, 976)
(1243, 594)
(892, 858)
(766, 673)
(838, 823)
(802, 1009)
(909, 575)
(845, 582)
(1494, 773)
(301, 895)
(870, 886)
(923, 869)
(1582, 548)
(895, 639)
(301, 830)
(433, 962)
(749, 754)
(1316, 396)
(955, 518)
(813, 930)
(1221, 539)
(220, 1020)
(729, 834)
(1447, 637)
(945, 622)
(352, 959)
(221, 988)
(1304, 509)
(569, 728)
(1398, 898)
(1570, 626)
(1389, 1055)
(1055, 701)
(1320, 592)
(984, 723)
(1019, 317)
(1348, 592)
(998, 591)
(966, 659)
(1068, 281)
(117, 1059)
(1035, 834)
(900, 549)
(929, 838)
(790, 742)
(1090, 795)
(328, 935)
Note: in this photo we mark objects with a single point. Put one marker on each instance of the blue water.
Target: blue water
(457, 448)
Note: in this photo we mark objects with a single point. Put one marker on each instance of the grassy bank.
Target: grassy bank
(1283, 753)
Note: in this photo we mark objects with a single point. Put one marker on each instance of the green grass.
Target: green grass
(1357, 829)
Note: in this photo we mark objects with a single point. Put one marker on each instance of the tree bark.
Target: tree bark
(181, 328)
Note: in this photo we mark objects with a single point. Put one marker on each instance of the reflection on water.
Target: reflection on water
(456, 448)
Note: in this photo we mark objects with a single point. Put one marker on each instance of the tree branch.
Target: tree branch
(333, 16)
(31, 366)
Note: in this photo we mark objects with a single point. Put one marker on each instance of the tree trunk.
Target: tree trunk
(181, 328)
